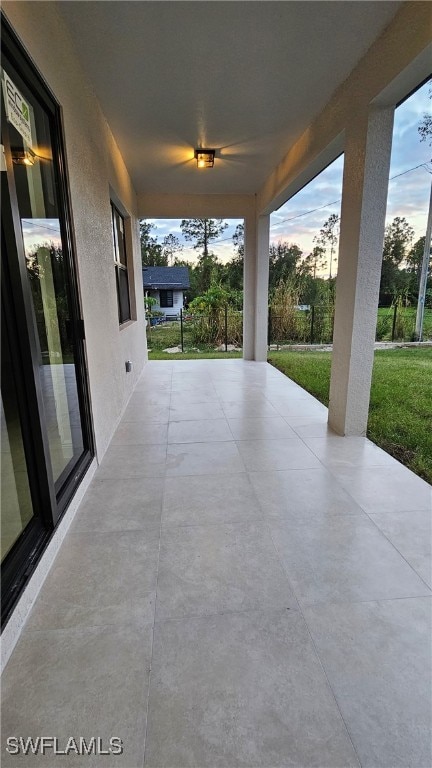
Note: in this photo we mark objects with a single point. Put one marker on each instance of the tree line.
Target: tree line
(312, 274)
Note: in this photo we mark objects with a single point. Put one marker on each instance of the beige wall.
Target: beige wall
(96, 170)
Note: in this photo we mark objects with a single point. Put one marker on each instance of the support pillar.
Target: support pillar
(364, 200)
(255, 287)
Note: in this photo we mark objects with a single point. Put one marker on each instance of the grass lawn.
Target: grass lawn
(400, 413)
(158, 354)
(168, 335)
(405, 324)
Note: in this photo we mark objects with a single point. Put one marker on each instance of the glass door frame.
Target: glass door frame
(50, 499)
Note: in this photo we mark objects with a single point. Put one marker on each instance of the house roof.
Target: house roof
(166, 277)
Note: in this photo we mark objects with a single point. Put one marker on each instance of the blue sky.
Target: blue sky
(408, 194)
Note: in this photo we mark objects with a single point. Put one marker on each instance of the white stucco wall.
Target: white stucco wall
(96, 172)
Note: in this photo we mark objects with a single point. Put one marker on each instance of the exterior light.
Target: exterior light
(205, 158)
(24, 157)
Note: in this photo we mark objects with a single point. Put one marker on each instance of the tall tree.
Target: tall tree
(398, 237)
(238, 240)
(328, 238)
(314, 262)
(414, 260)
(151, 251)
(284, 259)
(171, 245)
(202, 232)
(425, 126)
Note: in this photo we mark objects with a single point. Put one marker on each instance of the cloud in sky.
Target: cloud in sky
(298, 221)
(37, 232)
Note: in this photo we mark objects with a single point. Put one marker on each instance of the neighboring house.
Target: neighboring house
(167, 286)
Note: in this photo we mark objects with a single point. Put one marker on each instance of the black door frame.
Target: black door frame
(50, 499)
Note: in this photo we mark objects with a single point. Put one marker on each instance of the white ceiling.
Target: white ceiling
(245, 78)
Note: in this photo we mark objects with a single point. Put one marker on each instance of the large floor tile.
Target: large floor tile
(193, 397)
(94, 570)
(242, 690)
(157, 414)
(209, 499)
(388, 489)
(72, 683)
(302, 407)
(343, 558)
(140, 433)
(52, 611)
(260, 429)
(212, 569)
(248, 409)
(151, 385)
(154, 397)
(285, 401)
(410, 532)
(301, 494)
(199, 431)
(268, 455)
(199, 390)
(203, 459)
(120, 505)
(335, 451)
(310, 426)
(129, 461)
(196, 411)
(239, 395)
(378, 661)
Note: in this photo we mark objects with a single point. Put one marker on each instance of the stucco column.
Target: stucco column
(255, 287)
(364, 200)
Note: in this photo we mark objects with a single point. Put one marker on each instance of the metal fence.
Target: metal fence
(222, 330)
(312, 325)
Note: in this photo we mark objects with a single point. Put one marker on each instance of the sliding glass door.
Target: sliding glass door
(46, 426)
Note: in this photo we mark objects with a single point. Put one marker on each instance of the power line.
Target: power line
(40, 226)
(327, 205)
(306, 213)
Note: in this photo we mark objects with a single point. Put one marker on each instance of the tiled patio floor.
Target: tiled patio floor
(239, 587)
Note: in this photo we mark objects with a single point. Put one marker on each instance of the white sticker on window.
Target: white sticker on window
(17, 109)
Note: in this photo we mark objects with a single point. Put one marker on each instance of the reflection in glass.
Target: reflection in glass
(38, 202)
(45, 267)
(16, 503)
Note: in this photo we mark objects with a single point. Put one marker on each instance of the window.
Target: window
(46, 430)
(120, 259)
(166, 299)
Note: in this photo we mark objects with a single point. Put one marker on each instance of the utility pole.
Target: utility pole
(424, 275)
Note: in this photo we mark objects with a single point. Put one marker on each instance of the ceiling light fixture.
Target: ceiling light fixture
(205, 158)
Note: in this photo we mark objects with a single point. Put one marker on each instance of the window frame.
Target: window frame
(50, 500)
(166, 305)
(119, 266)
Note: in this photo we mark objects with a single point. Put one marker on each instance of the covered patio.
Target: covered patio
(239, 587)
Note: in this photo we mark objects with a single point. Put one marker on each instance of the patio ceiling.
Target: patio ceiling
(245, 78)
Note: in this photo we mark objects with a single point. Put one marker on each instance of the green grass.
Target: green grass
(400, 413)
(158, 354)
(405, 324)
(167, 335)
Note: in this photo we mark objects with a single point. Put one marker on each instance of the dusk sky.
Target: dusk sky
(408, 194)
